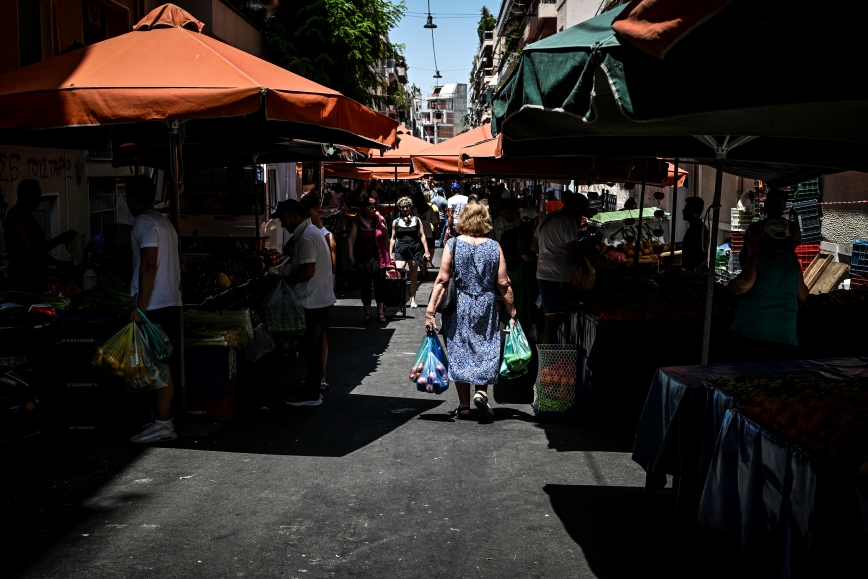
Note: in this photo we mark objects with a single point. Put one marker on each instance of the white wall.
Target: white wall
(571, 12)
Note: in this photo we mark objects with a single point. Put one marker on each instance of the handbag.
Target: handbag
(450, 297)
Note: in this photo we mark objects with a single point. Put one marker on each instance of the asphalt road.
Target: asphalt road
(377, 482)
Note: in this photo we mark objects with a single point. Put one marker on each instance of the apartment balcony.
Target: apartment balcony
(547, 9)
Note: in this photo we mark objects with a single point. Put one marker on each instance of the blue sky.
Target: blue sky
(455, 39)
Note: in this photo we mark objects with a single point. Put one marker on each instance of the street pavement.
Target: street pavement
(379, 481)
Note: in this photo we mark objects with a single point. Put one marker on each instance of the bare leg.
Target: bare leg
(381, 308)
(463, 389)
(164, 400)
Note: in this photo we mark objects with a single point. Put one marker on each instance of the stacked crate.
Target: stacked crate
(806, 254)
(807, 214)
(859, 264)
(808, 190)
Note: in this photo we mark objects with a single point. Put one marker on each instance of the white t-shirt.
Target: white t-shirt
(554, 233)
(152, 229)
(456, 203)
(312, 247)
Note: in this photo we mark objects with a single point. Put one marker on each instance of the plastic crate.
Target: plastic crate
(210, 372)
(806, 254)
(740, 220)
(737, 241)
(808, 190)
(859, 255)
(810, 228)
(803, 208)
(220, 409)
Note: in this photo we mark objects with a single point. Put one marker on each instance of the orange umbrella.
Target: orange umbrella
(407, 145)
(368, 172)
(166, 70)
(477, 154)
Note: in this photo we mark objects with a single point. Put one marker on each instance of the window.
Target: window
(107, 204)
(29, 32)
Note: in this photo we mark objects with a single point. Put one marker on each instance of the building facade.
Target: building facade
(445, 112)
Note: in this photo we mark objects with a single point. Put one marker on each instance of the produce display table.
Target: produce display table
(810, 518)
(683, 418)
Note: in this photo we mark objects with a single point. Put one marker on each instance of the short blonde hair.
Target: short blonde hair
(404, 202)
(474, 220)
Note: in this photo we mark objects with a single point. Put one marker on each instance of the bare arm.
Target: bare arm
(803, 288)
(746, 278)
(427, 255)
(439, 288)
(333, 249)
(304, 272)
(504, 286)
(392, 238)
(147, 277)
(351, 242)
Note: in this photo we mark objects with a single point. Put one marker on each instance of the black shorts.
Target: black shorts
(408, 252)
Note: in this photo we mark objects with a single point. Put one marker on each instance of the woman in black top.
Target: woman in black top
(408, 242)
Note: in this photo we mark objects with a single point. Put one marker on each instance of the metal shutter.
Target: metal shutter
(29, 32)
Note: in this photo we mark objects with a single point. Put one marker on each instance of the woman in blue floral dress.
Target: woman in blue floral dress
(472, 329)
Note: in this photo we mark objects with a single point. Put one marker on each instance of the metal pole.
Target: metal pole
(177, 179)
(256, 232)
(674, 212)
(712, 254)
(641, 210)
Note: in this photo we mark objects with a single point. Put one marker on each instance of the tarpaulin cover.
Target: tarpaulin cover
(610, 216)
(682, 421)
(165, 71)
(367, 172)
(477, 154)
(573, 91)
(407, 145)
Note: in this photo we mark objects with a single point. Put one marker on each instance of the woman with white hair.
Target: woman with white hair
(408, 245)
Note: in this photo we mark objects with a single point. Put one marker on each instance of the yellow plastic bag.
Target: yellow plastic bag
(128, 356)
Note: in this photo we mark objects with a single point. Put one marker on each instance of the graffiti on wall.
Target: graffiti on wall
(15, 168)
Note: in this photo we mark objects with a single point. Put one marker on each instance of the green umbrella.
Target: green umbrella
(778, 80)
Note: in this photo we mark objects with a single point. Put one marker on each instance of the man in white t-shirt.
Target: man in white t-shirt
(454, 205)
(310, 277)
(556, 243)
(156, 289)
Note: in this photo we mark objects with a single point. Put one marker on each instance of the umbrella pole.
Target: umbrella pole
(712, 243)
(256, 232)
(176, 173)
(674, 212)
(641, 211)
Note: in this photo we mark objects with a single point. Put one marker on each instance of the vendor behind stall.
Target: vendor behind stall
(26, 244)
(771, 285)
(775, 203)
(695, 244)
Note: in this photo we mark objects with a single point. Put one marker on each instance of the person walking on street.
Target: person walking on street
(454, 206)
(408, 243)
(310, 277)
(369, 248)
(556, 243)
(314, 211)
(431, 226)
(156, 291)
(472, 329)
(440, 202)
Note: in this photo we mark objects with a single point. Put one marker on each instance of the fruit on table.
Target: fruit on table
(827, 419)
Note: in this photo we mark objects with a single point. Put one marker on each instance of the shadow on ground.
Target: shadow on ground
(625, 532)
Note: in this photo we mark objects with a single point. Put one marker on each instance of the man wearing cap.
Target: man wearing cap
(310, 277)
(556, 243)
(771, 284)
(694, 247)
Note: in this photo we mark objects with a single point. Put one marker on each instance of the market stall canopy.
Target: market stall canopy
(368, 172)
(740, 69)
(407, 145)
(481, 158)
(125, 88)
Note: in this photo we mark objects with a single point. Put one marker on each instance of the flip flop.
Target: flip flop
(461, 413)
(383, 318)
(481, 402)
(366, 319)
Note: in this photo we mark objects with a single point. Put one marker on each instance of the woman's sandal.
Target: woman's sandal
(366, 319)
(382, 318)
(461, 413)
(480, 399)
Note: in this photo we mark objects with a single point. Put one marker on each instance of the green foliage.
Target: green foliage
(487, 22)
(473, 69)
(338, 43)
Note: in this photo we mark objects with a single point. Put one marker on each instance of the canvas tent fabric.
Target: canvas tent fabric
(166, 69)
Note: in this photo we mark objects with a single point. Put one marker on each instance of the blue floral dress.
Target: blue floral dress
(472, 330)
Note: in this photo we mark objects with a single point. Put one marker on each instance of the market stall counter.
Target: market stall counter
(687, 430)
